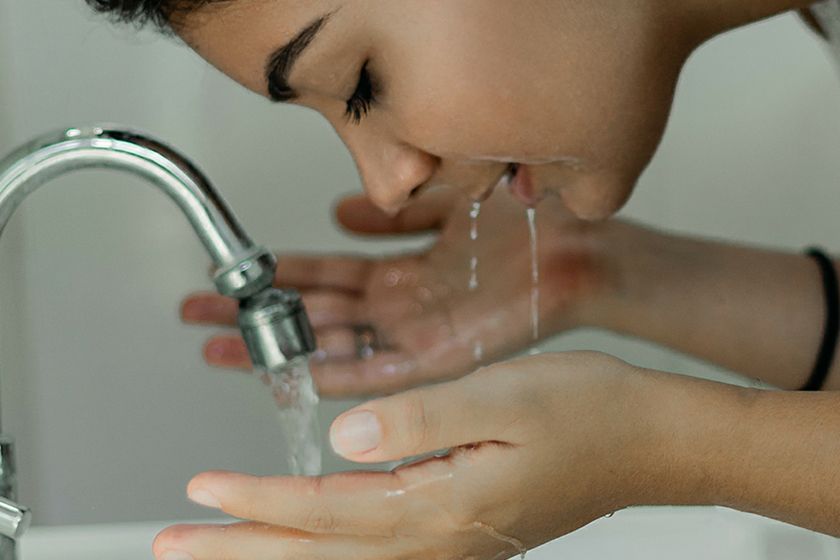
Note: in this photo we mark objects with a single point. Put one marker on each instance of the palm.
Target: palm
(429, 323)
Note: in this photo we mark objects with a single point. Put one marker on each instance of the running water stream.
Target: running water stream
(297, 402)
(535, 277)
(475, 211)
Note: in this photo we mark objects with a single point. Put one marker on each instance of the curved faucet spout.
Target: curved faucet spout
(244, 269)
(275, 327)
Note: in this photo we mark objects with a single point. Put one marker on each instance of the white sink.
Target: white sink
(639, 533)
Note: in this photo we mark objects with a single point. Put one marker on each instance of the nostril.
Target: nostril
(415, 192)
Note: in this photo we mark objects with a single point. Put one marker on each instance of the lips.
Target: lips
(521, 185)
(517, 178)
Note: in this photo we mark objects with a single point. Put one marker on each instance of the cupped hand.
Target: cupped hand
(540, 446)
(416, 316)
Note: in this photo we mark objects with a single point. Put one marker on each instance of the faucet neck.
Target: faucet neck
(244, 268)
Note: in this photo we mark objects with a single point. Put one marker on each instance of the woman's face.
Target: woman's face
(565, 97)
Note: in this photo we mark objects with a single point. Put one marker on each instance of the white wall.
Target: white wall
(13, 350)
(103, 387)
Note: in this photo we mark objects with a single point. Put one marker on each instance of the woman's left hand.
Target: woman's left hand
(540, 447)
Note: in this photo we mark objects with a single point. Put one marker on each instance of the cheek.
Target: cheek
(459, 110)
(458, 123)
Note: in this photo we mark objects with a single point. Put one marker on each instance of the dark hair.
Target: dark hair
(163, 14)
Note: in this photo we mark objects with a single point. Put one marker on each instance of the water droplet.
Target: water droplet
(399, 368)
(478, 351)
(472, 285)
(425, 294)
(475, 211)
(392, 278)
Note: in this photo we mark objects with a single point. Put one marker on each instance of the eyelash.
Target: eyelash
(363, 98)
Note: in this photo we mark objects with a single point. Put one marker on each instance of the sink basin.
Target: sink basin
(90, 542)
(638, 533)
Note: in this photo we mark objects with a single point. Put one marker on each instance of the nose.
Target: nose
(392, 172)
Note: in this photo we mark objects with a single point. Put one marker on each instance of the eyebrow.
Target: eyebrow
(280, 62)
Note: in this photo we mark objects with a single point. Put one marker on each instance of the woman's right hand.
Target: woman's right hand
(429, 325)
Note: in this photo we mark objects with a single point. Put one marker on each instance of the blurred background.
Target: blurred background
(105, 390)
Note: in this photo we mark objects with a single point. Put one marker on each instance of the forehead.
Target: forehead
(239, 36)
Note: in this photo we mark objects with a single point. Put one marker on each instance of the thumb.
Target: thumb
(418, 421)
(429, 212)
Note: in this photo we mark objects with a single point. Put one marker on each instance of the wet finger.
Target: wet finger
(209, 308)
(258, 541)
(346, 273)
(336, 343)
(227, 351)
(324, 307)
(337, 346)
(472, 410)
(354, 503)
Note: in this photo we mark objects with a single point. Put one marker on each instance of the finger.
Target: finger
(471, 410)
(336, 344)
(324, 308)
(355, 503)
(336, 348)
(359, 215)
(347, 273)
(227, 351)
(209, 308)
(257, 541)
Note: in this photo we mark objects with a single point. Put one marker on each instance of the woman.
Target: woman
(565, 98)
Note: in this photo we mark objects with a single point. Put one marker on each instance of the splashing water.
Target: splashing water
(297, 401)
(535, 277)
(475, 211)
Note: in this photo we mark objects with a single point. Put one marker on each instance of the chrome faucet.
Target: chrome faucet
(273, 322)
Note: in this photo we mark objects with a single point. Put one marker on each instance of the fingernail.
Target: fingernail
(175, 555)
(204, 498)
(358, 432)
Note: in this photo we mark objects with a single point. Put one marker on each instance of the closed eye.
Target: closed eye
(363, 97)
